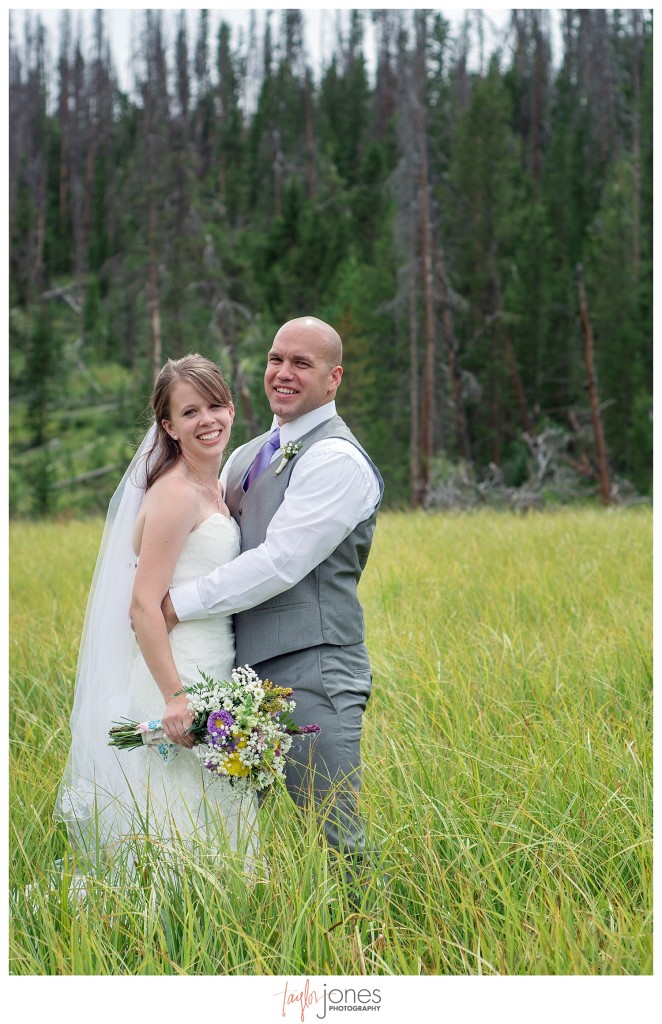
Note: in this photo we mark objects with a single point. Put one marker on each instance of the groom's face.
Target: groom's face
(300, 376)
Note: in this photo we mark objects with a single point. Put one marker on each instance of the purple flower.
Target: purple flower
(219, 724)
(309, 728)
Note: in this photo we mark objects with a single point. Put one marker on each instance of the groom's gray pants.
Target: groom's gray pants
(331, 688)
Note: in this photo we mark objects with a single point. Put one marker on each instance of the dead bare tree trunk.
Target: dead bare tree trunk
(414, 445)
(89, 187)
(527, 425)
(636, 148)
(153, 291)
(310, 140)
(278, 163)
(202, 87)
(157, 345)
(480, 31)
(461, 433)
(536, 142)
(64, 116)
(592, 387)
(428, 396)
(386, 28)
(156, 114)
(39, 269)
(495, 405)
(460, 72)
(222, 174)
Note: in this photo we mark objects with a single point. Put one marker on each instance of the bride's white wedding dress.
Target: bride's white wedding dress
(120, 806)
(180, 796)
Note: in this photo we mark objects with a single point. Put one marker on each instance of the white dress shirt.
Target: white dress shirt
(332, 488)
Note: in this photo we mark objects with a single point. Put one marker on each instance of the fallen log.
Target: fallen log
(84, 477)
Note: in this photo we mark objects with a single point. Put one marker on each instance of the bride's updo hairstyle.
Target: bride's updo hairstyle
(206, 377)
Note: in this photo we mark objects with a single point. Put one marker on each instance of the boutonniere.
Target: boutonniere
(289, 451)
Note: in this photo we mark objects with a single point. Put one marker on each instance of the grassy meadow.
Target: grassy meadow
(507, 780)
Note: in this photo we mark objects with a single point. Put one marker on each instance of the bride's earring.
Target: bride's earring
(168, 429)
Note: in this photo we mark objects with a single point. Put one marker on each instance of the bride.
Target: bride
(167, 524)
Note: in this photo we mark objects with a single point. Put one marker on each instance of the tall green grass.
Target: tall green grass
(507, 778)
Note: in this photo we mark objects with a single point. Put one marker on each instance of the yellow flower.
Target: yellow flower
(233, 765)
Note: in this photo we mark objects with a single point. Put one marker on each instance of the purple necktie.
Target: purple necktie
(263, 457)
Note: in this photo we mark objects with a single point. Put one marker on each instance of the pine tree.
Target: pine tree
(436, 216)
(231, 145)
(482, 205)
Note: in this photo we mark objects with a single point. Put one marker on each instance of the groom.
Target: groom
(306, 522)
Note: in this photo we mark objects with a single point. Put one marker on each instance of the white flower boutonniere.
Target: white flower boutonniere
(289, 451)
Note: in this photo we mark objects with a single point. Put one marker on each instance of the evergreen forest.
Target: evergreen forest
(475, 222)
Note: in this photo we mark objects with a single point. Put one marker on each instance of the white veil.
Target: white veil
(95, 793)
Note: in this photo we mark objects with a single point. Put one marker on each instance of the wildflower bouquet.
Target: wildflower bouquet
(242, 726)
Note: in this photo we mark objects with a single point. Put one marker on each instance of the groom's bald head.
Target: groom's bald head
(325, 337)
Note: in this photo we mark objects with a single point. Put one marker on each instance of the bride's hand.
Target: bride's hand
(176, 720)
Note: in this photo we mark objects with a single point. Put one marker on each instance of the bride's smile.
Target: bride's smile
(199, 424)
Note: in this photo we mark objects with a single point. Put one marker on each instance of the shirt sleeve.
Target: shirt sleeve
(332, 488)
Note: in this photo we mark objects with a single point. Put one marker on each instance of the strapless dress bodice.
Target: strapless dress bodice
(214, 542)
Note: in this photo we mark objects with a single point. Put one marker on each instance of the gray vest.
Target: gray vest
(323, 608)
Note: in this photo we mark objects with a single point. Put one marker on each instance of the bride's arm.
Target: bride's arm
(170, 513)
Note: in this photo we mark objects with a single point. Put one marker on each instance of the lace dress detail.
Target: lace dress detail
(181, 796)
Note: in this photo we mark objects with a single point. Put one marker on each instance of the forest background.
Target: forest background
(477, 225)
